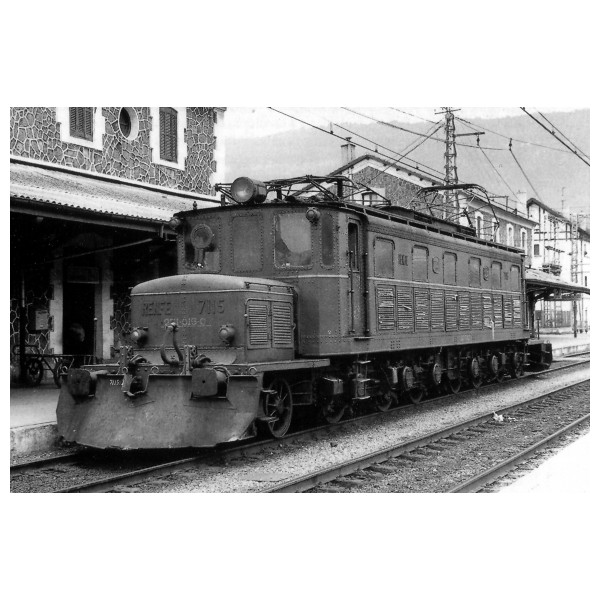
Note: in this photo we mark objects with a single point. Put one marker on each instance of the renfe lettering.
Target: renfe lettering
(156, 308)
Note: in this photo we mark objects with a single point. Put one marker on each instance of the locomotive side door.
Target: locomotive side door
(356, 275)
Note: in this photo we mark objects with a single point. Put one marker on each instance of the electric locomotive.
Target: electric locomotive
(288, 298)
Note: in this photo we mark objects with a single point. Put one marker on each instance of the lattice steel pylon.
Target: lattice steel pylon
(450, 158)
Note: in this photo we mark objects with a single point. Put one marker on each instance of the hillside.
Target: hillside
(311, 151)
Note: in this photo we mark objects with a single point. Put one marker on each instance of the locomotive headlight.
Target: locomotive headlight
(139, 335)
(244, 190)
(175, 223)
(227, 333)
(313, 215)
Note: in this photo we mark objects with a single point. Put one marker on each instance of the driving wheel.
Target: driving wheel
(278, 408)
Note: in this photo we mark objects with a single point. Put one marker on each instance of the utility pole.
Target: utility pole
(451, 170)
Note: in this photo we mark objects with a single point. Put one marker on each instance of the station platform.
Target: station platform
(33, 409)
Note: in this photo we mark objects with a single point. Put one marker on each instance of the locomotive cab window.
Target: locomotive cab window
(384, 258)
(474, 272)
(449, 268)
(327, 247)
(420, 257)
(293, 245)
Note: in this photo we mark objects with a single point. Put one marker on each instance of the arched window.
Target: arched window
(523, 239)
(510, 235)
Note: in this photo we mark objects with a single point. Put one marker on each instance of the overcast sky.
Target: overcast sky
(261, 121)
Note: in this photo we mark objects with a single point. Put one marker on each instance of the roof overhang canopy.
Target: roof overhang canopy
(92, 198)
(545, 286)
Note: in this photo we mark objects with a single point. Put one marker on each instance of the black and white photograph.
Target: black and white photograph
(192, 312)
(329, 337)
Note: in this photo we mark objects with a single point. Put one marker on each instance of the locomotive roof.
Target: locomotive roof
(393, 214)
(205, 282)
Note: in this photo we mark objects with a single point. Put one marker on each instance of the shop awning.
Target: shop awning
(37, 189)
(551, 287)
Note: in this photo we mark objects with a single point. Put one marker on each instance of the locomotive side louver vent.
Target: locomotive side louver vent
(422, 309)
(451, 311)
(437, 310)
(497, 298)
(385, 308)
(476, 311)
(258, 316)
(487, 309)
(517, 312)
(464, 311)
(508, 311)
(282, 325)
(404, 302)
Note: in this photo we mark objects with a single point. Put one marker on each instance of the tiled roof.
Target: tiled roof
(95, 194)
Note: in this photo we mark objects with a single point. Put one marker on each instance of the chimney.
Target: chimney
(348, 151)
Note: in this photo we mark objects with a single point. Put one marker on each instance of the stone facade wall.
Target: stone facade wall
(399, 191)
(35, 133)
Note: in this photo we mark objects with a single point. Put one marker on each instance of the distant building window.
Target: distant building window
(81, 122)
(384, 258)
(510, 235)
(129, 124)
(585, 278)
(523, 239)
(168, 139)
(81, 125)
(479, 225)
(536, 249)
(168, 134)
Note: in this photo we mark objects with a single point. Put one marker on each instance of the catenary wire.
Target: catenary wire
(539, 197)
(388, 124)
(561, 133)
(556, 137)
(344, 139)
(475, 127)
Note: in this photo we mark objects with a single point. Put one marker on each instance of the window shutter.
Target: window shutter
(168, 134)
(81, 122)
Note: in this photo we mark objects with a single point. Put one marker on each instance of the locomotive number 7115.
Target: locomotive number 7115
(211, 307)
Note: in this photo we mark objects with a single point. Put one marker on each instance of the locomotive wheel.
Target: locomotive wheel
(517, 369)
(416, 394)
(278, 407)
(34, 370)
(475, 373)
(454, 385)
(384, 400)
(60, 369)
(332, 410)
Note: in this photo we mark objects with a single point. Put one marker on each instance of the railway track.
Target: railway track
(436, 441)
(161, 468)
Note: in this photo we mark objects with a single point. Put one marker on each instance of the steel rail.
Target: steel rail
(43, 462)
(478, 482)
(308, 481)
(167, 468)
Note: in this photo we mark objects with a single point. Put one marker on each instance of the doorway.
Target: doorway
(78, 318)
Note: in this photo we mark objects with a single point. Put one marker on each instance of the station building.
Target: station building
(92, 190)
(561, 248)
